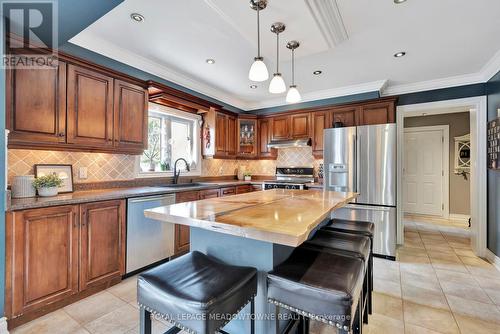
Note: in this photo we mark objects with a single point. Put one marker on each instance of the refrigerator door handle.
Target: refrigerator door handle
(356, 162)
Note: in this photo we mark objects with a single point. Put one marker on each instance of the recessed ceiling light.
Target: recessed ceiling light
(137, 17)
(400, 54)
(317, 72)
(253, 86)
(210, 61)
(399, 1)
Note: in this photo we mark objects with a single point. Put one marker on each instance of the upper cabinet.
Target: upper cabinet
(247, 137)
(265, 134)
(377, 113)
(130, 116)
(300, 126)
(344, 116)
(320, 121)
(90, 108)
(36, 105)
(281, 128)
(76, 107)
(225, 135)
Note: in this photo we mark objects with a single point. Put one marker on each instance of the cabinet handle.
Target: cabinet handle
(61, 134)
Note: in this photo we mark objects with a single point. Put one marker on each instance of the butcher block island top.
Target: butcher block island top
(279, 216)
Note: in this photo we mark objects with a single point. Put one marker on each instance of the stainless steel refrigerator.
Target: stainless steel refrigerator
(363, 159)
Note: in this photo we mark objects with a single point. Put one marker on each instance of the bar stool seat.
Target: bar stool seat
(351, 226)
(319, 285)
(343, 243)
(193, 290)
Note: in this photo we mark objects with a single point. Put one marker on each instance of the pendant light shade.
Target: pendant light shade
(293, 95)
(258, 71)
(277, 85)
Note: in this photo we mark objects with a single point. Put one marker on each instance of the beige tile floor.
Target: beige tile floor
(437, 285)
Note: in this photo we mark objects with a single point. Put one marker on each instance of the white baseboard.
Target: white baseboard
(459, 218)
(3, 326)
(495, 260)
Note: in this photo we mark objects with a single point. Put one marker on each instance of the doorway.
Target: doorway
(425, 171)
(476, 106)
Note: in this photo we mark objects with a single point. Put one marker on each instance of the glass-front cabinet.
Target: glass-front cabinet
(247, 137)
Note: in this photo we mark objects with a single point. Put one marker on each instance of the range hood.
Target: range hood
(290, 143)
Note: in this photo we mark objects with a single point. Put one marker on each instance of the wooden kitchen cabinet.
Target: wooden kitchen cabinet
(90, 108)
(103, 240)
(247, 188)
(265, 134)
(377, 113)
(130, 116)
(247, 137)
(281, 128)
(41, 258)
(210, 193)
(300, 126)
(231, 140)
(347, 116)
(225, 135)
(227, 191)
(181, 237)
(320, 122)
(36, 105)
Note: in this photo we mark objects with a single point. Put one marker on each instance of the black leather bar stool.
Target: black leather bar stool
(196, 293)
(355, 227)
(351, 245)
(320, 285)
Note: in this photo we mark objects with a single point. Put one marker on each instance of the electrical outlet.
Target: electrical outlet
(498, 112)
(221, 171)
(82, 172)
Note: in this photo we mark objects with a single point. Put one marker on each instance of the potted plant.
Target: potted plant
(247, 176)
(47, 185)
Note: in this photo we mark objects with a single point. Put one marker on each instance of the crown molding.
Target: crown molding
(486, 73)
(374, 86)
(125, 56)
(329, 20)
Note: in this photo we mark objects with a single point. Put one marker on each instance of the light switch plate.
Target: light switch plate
(82, 172)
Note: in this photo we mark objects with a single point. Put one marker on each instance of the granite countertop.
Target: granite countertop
(86, 196)
(279, 216)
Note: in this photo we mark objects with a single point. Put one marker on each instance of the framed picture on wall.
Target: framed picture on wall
(65, 172)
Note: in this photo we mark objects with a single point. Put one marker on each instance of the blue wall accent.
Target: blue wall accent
(94, 57)
(493, 89)
(450, 93)
(317, 103)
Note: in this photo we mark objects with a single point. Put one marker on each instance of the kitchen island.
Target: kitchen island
(257, 229)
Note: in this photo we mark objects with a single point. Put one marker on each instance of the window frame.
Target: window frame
(181, 116)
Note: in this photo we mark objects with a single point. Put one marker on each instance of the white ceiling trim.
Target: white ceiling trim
(487, 71)
(327, 15)
(130, 58)
(374, 86)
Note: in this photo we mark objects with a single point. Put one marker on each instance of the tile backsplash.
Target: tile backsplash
(110, 167)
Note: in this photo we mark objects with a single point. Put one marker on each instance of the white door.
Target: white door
(425, 171)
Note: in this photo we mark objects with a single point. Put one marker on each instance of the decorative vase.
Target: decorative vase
(152, 166)
(48, 191)
(248, 178)
(241, 171)
(22, 186)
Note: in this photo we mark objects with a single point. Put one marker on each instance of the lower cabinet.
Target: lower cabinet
(102, 256)
(210, 193)
(53, 254)
(181, 237)
(244, 189)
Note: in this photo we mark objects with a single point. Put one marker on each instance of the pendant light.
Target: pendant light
(293, 95)
(258, 70)
(277, 84)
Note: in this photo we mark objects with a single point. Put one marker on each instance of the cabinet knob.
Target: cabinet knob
(61, 134)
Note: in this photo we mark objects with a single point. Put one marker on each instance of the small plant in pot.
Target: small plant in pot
(247, 176)
(47, 185)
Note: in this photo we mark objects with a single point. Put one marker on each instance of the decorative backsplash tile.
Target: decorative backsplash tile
(112, 167)
(101, 166)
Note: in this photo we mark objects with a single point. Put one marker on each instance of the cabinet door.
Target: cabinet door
(130, 116)
(43, 248)
(211, 193)
(345, 115)
(247, 138)
(244, 189)
(220, 134)
(181, 240)
(300, 125)
(281, 128)
(377, 113)
(102, 252)
(231, 136)
(36, 105)
(264, 133)
(90, 108)
(320, 122)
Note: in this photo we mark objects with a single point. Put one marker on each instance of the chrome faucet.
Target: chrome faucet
(177, 173)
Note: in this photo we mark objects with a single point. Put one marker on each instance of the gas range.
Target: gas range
(291, 178)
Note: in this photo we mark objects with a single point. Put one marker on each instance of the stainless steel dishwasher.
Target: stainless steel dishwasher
(148, 240)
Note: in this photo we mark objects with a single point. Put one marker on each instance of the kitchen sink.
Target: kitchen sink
(182, 185)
